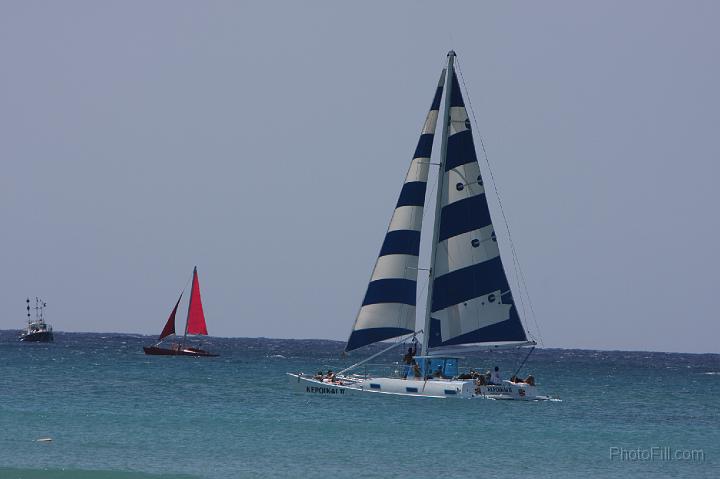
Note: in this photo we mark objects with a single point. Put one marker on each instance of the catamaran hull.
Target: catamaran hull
(38, 337)
(303, 384)
(155, 351)
(435, 388)
(510, 391)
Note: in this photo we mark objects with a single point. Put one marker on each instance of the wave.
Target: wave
(85, 474)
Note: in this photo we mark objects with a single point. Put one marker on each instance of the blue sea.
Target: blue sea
(113, 412)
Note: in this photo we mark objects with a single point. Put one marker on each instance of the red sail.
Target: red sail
(196, 317)
(170, 325)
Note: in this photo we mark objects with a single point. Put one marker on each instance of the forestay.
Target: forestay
(169, 328)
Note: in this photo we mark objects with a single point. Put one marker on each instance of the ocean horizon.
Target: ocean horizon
(340, 342)
(113, 412)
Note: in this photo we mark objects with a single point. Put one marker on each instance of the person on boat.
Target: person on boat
(530, 380)
(330, 378)
(318, 376)
(496, 377)
(416, 369)
(408, 359)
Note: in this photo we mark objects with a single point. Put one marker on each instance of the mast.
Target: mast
(438, 199)
(187, 319)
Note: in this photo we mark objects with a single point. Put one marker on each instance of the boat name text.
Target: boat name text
(321, 390)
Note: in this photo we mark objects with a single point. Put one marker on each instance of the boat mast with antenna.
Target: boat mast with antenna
(438, 199)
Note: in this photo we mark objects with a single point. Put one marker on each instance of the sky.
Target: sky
(266, 143)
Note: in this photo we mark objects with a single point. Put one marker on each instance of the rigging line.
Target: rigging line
(524, 360)
(187, 282)
(515, 263)
(182, 292)
(516, 267)
(502, 211)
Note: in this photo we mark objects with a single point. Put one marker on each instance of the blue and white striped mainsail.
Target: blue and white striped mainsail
(388, 309)
(471, 299)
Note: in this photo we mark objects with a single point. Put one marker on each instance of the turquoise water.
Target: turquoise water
(113, 412)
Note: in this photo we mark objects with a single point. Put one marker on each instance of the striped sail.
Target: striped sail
(388, 309)
(471, 298)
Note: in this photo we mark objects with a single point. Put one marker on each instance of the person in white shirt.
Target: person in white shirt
(496, 378)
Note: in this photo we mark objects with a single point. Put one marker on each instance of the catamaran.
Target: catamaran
(470, 304)
(37, 330)
(194, 324)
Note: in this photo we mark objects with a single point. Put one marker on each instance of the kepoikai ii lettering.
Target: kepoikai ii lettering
(499, 389)
(321, 390)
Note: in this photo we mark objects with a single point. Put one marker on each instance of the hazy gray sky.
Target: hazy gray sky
(267, 142)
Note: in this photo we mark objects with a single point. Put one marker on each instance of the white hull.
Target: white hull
(436, 388)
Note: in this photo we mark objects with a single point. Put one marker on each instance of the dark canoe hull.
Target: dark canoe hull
(156, 351)
(38, 337)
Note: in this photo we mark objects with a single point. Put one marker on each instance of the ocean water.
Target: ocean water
(113, 412)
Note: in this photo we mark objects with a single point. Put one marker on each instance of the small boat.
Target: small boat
(470, 305)
(194, 325)
(37, 330)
